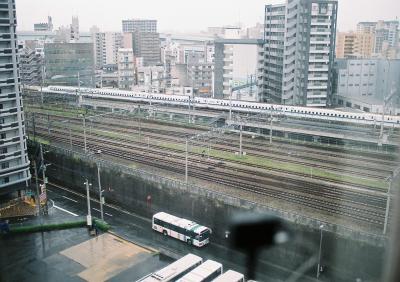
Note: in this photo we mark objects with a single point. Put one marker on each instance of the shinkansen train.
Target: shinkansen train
(234, 105)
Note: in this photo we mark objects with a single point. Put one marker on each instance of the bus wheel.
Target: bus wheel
(165, 233)
(189, 242)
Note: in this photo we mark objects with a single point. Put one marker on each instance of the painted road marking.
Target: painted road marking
(109, 214)
(49, 190)
(95, 209)
(64, 210)
(75, 201)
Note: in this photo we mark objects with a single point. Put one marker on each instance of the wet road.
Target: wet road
(138, 229)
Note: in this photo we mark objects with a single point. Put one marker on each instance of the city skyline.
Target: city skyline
(172, 14)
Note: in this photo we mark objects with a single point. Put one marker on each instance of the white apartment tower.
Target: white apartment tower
(299, 53)
(106, 45)
(126, 69)
(14, 163)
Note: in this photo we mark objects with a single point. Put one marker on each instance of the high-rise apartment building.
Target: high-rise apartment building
(354, 45)
(31, 67)
(147, 46)
(126, 69)
(106, 45)
(299, 52)
(14, 163)
(140, 25)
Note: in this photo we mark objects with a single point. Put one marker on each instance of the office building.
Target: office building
(364, 84)
(299, 53)
(106, 45)
(14, 162)
(126, 69)
(140, 25)
(64, 62)
(151, 78)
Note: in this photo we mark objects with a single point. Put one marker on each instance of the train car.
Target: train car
(234, 105)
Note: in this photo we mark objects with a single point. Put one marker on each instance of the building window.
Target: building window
(4, 150)
(3, 136)
(5, 165)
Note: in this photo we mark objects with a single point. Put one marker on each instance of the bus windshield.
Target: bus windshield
(204, 235)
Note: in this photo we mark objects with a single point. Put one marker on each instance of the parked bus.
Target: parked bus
(181, 229)
(205, 272)
(230, 276)
(175, 270)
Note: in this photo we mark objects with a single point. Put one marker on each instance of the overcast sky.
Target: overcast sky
(182, 15)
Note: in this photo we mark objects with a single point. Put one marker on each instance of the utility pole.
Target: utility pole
(320, 250)
(140, 125)
(190, 116)
(84, 133)
(43, 166)
(186, 161)
(34, 126)
(240, 140)
(37, 192)
(89, 215)
(230, 105)
(70, 136)
(100, 193)
(270, 129)
(41, 85)
(387, 207)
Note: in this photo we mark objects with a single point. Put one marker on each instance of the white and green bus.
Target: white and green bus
(181, 229)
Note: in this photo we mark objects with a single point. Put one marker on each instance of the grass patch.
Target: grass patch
(40, 140)
(289, 167)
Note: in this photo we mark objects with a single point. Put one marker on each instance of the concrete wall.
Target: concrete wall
(130, 188)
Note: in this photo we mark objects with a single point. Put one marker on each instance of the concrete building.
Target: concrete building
(106, 47)
(299, 53)
(126, 69)
(31, 67)
(354, 45)
(127, 40)
(14, 162)
(200, 78)
(140, 25)
(147, 46)
(236, 63)
(44, 26)
(386, 37)
(364, 84)
(151, 78)
(65, 61)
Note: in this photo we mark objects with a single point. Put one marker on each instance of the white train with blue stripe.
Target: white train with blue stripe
(225, 105)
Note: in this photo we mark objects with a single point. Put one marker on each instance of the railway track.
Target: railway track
(229, 179)
(313, 162)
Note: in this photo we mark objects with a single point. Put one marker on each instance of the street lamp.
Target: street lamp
(321, 227)
(89, 215)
